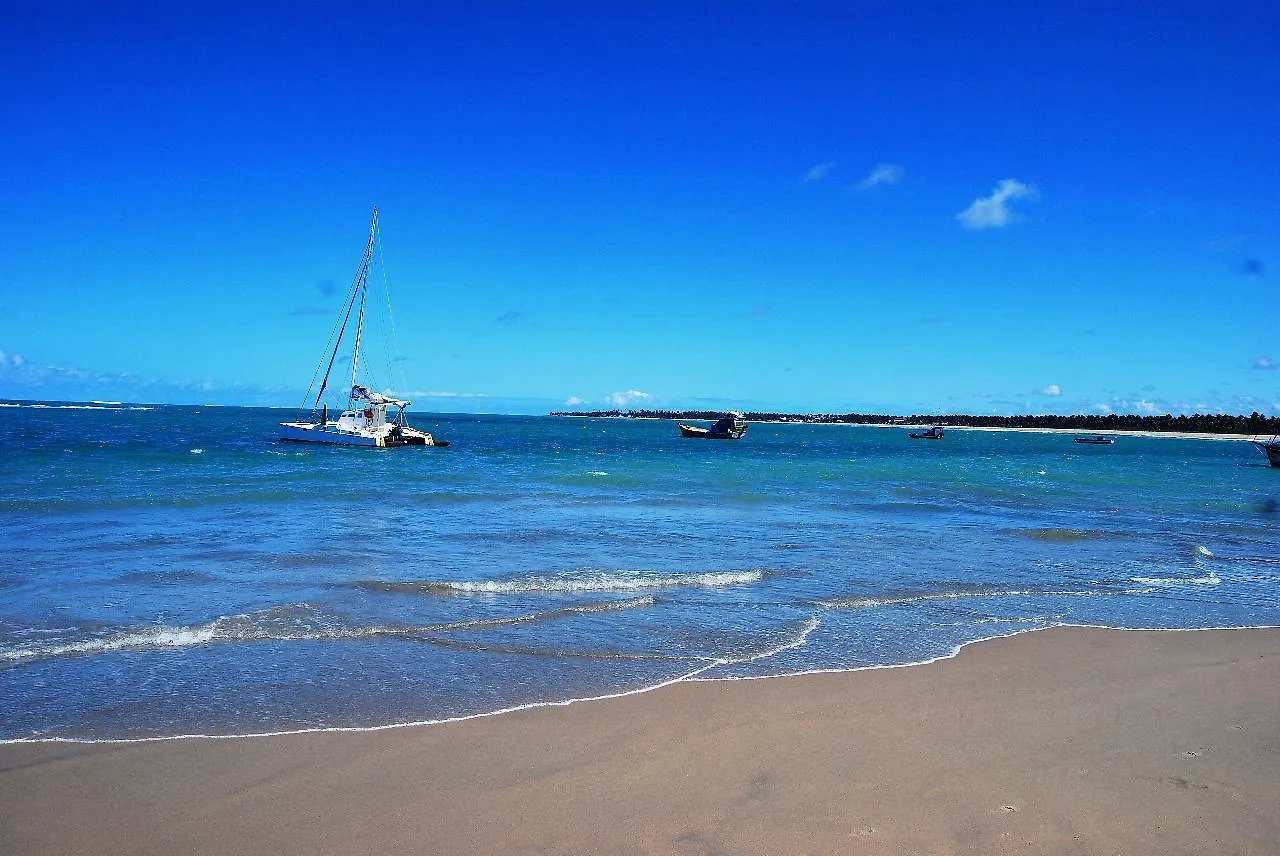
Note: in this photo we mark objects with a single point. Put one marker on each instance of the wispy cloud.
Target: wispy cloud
(1052, 390)
(574, 401)
(628, 398)
(993, 212)
(1266, 364)
(883, 174)
(510, 318)
(818, 172)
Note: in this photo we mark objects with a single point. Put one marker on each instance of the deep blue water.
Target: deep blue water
(178, 570)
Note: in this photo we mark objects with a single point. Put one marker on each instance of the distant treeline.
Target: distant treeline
(1203, 423)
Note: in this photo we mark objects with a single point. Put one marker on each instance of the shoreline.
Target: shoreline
(1068, 739)
(1118, 434)
(690, 678)
(1079, 432)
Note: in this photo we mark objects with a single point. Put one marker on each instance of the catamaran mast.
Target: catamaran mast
(364, 292)
(359, 286)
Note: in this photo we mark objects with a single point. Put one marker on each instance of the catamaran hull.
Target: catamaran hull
(330, 434)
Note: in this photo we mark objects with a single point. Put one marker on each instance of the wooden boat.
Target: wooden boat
(1099, 440)
(364, 420)
(728, 427)
(934, 433)
(1270, 448)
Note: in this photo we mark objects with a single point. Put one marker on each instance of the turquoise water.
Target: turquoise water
(177, 570)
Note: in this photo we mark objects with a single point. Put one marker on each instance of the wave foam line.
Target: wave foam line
(362, 729)
(889, 600)
(157, 637)
(806, 627)
(801, 636)
(692, 675)
(603, 582)
(264, 627)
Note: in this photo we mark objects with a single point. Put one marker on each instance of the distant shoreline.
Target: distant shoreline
(1201, 427)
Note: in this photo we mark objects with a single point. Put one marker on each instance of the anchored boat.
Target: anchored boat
(934, 433)
(369, 418)
(731, 426)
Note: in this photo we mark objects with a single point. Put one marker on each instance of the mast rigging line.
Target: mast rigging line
(389, 341)
(358, 287)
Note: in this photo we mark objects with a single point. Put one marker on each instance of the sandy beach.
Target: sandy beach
(1064, 741)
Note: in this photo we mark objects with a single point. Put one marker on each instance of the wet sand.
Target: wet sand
(1064, 741)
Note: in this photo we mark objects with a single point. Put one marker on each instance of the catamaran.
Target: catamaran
(364, 421)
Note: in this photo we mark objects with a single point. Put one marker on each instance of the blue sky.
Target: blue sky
(802, 206)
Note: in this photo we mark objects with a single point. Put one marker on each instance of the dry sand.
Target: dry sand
(1064, 741)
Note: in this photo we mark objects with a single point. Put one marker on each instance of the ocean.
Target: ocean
(178, 570)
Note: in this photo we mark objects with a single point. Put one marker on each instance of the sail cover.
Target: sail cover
(376, 398)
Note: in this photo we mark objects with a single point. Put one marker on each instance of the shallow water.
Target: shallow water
(177, 570)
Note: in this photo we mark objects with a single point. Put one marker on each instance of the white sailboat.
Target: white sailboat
(365, 420)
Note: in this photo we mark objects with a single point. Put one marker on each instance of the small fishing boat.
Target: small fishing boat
(1270, 448)
(364, 421)
(731, 426)
(934, 433)
(1098, 440)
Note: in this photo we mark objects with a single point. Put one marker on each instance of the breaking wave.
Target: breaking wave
(1209, 579)
(571, 583)
(294, 623)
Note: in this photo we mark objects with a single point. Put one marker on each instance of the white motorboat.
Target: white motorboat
(364, 421)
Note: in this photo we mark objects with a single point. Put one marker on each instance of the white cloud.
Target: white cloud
(1103, 408)
(819, 172)
(1264, 363)
(1144, 406)
(625, 399)
(1051, 389)
(885, 173)
(993, 212)
(573, 401)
